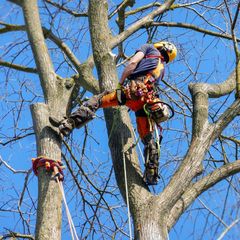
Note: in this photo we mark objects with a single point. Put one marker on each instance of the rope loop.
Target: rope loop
(55, 166)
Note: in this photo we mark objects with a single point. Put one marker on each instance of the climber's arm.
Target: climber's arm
(131, 66)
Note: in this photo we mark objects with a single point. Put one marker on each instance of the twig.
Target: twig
(67, 10)
(16, 235)
(193, 27)
(228, 228)
(12, 169)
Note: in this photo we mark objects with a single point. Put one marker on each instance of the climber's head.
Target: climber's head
(167, 50)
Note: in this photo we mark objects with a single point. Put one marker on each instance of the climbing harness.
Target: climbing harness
(55, 166)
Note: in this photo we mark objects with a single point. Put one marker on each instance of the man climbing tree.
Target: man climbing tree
(137, 90)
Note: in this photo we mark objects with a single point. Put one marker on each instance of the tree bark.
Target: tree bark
(149, 224)
(49, 211)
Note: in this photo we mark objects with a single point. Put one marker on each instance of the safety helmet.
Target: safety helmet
(167, 50)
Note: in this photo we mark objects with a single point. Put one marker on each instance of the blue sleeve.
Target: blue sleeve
(145, 48)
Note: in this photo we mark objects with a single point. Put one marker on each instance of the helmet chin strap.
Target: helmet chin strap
(163, 52)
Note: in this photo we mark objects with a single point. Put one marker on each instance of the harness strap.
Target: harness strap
(154, 56)
(152, 72)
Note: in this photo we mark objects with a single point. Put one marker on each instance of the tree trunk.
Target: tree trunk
(149, 225)
(57, 99)
(49, 213)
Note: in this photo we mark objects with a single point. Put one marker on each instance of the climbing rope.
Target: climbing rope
(127, 198)
(69, 217)
(139, 148)
(125, 178)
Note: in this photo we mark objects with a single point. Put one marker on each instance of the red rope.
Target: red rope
(50, 165)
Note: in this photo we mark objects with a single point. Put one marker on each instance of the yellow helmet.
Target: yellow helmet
(167, 49)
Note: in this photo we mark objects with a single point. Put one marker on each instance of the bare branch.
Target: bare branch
(67, 10)
(200, 94)
(11, 27)
(18, 67)
(84, 70)
(228, 228)
(13, 235)
(236, 16)
(193, 27)
(236, 141)
(11, 168)
(121, 7)
(193, 191)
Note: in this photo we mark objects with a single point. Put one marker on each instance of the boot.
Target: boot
(66, 126)
(151, 155)
(150, 176)
(80, 117)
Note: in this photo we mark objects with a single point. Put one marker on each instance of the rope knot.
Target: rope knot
(55, 166)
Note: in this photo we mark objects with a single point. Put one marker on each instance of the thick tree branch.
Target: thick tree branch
(157, 4)
(215, 90)
(201, 92)
(117, 121)
(192, 192)
(43, 62)
(227, 117)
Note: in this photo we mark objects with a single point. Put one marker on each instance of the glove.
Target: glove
(119, 86)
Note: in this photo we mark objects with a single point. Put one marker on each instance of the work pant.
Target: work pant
(143, 125)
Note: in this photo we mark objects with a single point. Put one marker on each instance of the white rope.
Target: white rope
(69, 217)
(127, 199)
(139, 148)
(156, 133)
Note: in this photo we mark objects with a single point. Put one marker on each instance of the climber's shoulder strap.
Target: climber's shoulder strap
(153, 56)
(157, 72)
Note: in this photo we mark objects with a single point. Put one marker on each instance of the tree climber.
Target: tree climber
(136, 90)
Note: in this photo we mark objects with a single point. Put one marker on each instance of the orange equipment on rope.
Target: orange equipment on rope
(50, 165)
